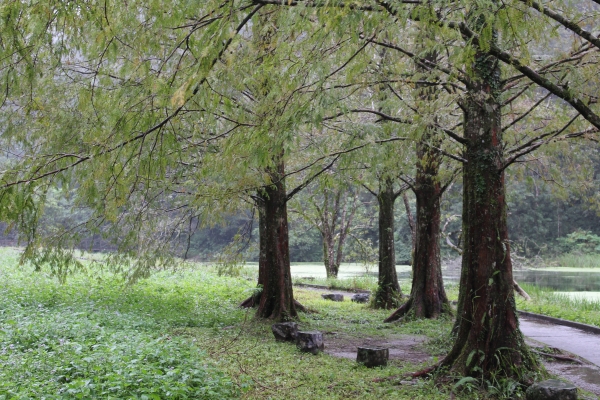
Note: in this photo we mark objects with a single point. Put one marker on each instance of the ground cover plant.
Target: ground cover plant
(96, 338)
(181, 335)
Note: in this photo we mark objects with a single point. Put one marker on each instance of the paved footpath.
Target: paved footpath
(573, 340)
(585, 344)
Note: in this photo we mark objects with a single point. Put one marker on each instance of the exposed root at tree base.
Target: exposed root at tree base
(427, 371)
(253, 301)
(301, 308)
(250, 302)
(409, 307)
(558, 357)
(400, 312)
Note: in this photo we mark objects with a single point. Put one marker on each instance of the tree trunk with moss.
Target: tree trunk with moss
(277, 297)
(388, 290)
(488, 340)
(427, 297)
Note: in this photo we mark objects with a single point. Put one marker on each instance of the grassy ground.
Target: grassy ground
(181, 336)
(565, 306)
(574, 260)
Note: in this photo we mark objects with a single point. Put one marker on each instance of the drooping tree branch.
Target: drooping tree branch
(567, 23)
(562, 92)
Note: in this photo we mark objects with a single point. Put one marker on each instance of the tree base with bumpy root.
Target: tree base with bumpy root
(386, 298)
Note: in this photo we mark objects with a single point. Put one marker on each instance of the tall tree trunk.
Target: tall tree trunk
(388, 291)
(427, 297)
(277, 297)
(488, 340)
(327, 220)
(411, 226)
(333, 222)
(328, 254)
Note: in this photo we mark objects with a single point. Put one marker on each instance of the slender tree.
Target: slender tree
(331, 211)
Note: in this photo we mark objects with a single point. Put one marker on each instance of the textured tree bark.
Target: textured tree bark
(388, 290)
(427, 297)
(277, 297)
(411, 225)
(333, 223)
(488, 340)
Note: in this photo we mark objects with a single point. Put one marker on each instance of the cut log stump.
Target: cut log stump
(333, 296)
(361, 298)
(310, 341)
(551, 389)
(285, 331)
(373, 356)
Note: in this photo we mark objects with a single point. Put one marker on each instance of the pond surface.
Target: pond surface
(566, 280)
(559, 279)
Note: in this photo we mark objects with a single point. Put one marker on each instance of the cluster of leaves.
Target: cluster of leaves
(583, 242)
(95, 337)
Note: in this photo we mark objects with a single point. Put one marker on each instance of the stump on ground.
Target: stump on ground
(333, 296)
(361, 298)
(285, 331)
(373, 356)
(310, 341)
(551, 389)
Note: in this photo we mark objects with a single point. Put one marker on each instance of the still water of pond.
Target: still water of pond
(570, 280)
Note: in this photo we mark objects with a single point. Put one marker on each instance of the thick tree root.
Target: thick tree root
(419, 312)
(400, 312)
(427, 371)
(558, 357)
(250, 302)
(253, 301)
(301, 308)
(424, 373)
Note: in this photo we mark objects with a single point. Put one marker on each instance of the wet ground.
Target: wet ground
(402, 348)
(575, 343)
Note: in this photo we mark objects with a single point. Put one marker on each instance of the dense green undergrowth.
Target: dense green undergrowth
(97, 338)
(181, 335)
(548, 302)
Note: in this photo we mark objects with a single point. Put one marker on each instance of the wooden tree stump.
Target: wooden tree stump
(373, 356)
(310, 341)
(285, 331)
(333, 296)
(361, 298)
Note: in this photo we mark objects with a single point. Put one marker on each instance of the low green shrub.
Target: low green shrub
(98, 338)
(583, 242)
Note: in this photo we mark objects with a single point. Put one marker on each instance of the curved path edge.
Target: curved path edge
(558, 321)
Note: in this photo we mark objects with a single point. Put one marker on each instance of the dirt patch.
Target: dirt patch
(403, 348)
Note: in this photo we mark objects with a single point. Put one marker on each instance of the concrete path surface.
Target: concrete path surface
(573, 340)
(576, 341)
